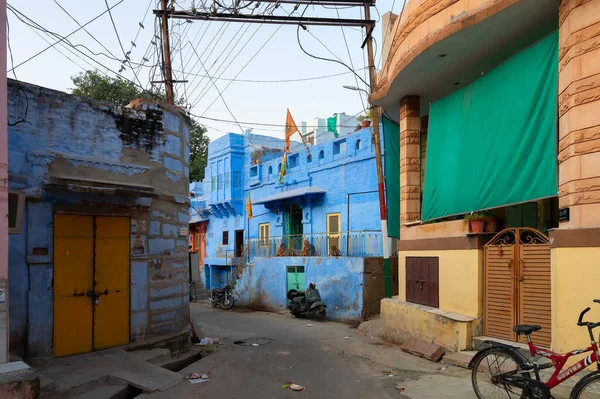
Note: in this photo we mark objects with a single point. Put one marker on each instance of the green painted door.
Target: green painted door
(295, 278)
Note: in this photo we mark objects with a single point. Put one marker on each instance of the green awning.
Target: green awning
(391, 142)
(493, 142)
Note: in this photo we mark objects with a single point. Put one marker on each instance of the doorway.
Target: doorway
(239, 243)
(91, 283)
(294, 228)
(518, 284)
(295, 278)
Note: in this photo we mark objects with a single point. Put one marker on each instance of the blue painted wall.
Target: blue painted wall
(263, 284)
(90, 143)
(345, 168)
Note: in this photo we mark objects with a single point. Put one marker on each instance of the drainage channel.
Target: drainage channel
(174, 365)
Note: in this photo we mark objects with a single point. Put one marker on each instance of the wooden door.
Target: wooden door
(500, 298)
(535, 306)
(422, 280)
(295, 278)
(111, 282)
(73, 280)
(91, 283)
(518, 284)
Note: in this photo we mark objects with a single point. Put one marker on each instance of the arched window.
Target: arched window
(358, 145)
(321, 154)
(270, 169)
(308, 158)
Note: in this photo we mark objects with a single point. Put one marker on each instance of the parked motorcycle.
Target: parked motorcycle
(307, 303)
(222, 297)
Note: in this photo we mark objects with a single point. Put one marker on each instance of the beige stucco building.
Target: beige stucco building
(543, 266)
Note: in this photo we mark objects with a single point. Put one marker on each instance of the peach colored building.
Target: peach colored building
(537, 259)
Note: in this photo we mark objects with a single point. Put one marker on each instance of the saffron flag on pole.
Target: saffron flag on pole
(290, 129)
(249, 207)
(283, 168)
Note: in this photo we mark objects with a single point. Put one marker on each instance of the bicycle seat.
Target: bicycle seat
(526, 329)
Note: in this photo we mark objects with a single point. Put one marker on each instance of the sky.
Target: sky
(260, 53)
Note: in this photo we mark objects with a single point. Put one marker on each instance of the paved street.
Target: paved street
(320, 358)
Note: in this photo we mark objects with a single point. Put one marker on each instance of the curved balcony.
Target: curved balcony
(439, 46)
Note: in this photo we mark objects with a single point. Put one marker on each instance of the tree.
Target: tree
(100, 87)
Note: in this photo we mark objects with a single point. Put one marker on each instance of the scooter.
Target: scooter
(307, 303)
(222, 297)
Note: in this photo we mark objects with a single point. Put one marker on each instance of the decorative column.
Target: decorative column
(410, 176)
(579, 113)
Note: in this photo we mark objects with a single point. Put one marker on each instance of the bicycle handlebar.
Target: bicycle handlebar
(580, 322)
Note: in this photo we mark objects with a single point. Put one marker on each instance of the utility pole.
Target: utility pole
(387, 273)
(167, 71)
(317, 21)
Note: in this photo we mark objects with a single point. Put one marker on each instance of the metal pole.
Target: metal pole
(380, 182)
(168, 72)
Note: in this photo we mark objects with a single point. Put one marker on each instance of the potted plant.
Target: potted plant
(477, 220)
(365, 120)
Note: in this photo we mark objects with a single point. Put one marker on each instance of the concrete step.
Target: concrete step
(111, 391)
(459, 359)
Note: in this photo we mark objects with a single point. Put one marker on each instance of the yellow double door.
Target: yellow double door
(91, 283)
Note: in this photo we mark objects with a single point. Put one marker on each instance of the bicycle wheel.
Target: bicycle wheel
(588, 387)
(493, 363)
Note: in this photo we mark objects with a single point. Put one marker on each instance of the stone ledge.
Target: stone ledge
(403, 321)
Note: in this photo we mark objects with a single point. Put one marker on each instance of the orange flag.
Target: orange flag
(290, 129)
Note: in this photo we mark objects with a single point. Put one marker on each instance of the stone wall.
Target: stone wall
(579, 112)
(76, 155)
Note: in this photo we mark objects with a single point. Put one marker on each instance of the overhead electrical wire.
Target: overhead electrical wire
(280, 80)
(351, 62)
(322, 58)
(85, 30)
(222, 98)
(12, 62)
(66, 44)
(64, 37)
(125, 54)
(250, 60)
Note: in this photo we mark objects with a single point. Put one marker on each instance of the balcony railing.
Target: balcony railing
(353, 243)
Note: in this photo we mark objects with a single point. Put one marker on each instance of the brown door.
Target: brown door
(517, 284)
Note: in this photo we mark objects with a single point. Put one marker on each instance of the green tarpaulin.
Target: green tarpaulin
(493, 142)
(391, 142)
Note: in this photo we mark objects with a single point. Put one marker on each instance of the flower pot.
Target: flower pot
(491, 225)
(254, 162)
(477, 225)
(366, 123)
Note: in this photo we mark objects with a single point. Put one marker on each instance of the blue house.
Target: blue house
(319, 223)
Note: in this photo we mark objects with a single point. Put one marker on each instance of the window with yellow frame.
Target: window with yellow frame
(264, 231)
(333, 233)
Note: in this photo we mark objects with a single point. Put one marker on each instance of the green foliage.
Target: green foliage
(198, 152)
(477, 215)
(92, 84)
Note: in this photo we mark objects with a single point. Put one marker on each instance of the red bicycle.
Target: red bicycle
(501, 371)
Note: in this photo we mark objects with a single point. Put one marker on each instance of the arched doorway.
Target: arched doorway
(517, 284)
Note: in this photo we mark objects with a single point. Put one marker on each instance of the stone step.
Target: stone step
(109, 391)
(459, 359)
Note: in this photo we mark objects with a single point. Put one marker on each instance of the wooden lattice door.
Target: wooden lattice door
(517, 284)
